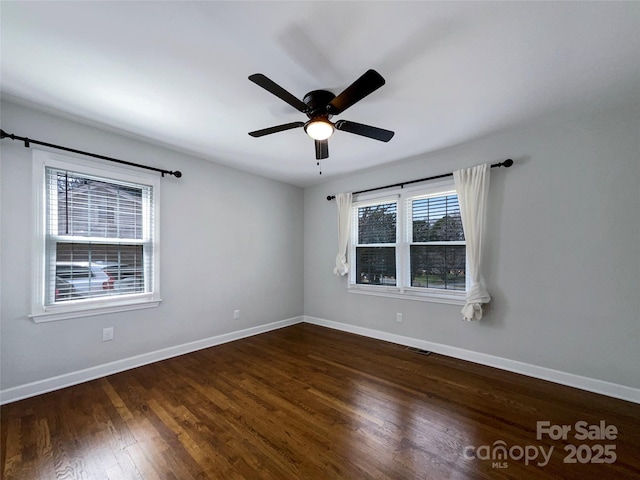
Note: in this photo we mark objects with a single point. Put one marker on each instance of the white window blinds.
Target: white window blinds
(98, 237)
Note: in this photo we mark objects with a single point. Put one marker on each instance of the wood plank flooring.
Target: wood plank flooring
(306, 402)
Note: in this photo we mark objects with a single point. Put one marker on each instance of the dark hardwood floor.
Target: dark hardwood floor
(306, 402)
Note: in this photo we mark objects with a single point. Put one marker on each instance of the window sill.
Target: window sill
(65, 312)
(449, 298)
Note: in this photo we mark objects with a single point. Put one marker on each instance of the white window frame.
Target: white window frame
(353, 243)
(402, 289)
(40, 312)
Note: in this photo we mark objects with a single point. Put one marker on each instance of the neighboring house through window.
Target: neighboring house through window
(409, 243)
(96, 238)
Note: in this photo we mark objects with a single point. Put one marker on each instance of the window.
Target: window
(376, 244)
(409, 245)
(437, 249)
(96, 238)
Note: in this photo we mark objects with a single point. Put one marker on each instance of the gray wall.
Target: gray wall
(563, 253)
(229, 240)
(563, 250)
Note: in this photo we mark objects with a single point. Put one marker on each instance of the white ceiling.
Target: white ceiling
(175, 73)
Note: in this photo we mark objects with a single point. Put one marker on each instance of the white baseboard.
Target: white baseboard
(80, 376)
(584, 383)
(62, 381)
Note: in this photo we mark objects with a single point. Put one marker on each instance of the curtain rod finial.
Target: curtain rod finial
(507, 163)
(177, 174)
(4, 134)
(330, 197)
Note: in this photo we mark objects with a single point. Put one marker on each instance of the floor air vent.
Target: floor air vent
(419, 350)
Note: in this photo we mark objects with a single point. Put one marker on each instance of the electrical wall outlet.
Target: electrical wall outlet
(107, 334)
(236, 314)
(399, 317)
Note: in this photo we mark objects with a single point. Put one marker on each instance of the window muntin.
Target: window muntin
(420, 254)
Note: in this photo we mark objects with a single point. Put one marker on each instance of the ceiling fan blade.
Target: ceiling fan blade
(276, 129)
(364, 130)
(369, 82)
(322, 149)
(272, 87)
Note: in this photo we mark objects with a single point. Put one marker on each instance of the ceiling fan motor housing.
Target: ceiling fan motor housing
(318, 100)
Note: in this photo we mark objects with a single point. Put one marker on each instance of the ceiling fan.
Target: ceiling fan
(320, 106)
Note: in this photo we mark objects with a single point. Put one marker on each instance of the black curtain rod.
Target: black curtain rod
(28, 142)
(507, 163)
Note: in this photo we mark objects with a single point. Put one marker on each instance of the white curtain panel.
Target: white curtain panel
(343, 201)
(472, 187)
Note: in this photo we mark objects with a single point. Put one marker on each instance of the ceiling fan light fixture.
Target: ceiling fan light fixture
(319, 128)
